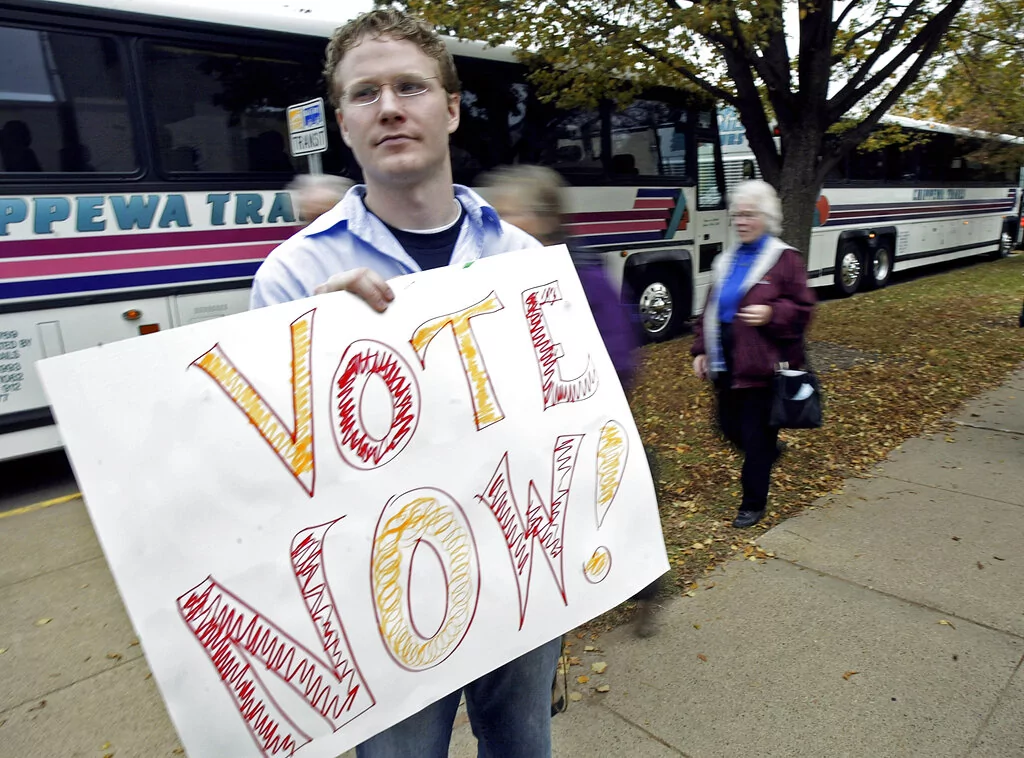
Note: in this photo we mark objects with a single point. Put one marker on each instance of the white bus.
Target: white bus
(947, 193)
(143, 164)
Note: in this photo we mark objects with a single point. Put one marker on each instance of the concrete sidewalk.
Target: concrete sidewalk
(890, 623)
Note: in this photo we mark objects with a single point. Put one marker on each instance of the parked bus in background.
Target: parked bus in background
(940, 194)
(144, 165)
(144, 169)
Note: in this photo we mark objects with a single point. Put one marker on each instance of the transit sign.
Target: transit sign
(307, 127)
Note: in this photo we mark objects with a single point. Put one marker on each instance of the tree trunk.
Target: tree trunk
(799, 187)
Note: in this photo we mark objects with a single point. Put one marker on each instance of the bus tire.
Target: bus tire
(659, 303)
(880, 260)
(1005, 243)
(849, 268)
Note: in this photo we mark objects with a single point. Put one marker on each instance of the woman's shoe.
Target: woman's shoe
(558, 689)
(747, 518)
(643, 624)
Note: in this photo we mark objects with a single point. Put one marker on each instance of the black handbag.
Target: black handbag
(796, 400)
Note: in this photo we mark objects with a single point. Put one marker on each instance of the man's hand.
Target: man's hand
(700, 367)
(755, 315)
(363, 282)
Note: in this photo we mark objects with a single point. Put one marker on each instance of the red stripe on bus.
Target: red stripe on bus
(654, 202)
(618, 226)
(38, 269)
(108, 243)
(601, 216)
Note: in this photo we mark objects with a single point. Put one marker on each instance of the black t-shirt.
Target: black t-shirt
(431, 249)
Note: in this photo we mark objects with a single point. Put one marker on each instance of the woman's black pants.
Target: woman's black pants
(743, 416)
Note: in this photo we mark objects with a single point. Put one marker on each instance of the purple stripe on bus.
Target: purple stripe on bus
(617, 239)
(941, 204)
(115, 242)
(671, 192)
(866, 219)
(869, 211)
(74, 285)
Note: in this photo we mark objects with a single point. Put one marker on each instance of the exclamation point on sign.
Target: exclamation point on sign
(612, 450)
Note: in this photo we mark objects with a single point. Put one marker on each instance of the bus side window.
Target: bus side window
(224, 111)
(709, 192)
(503, 122)
(62, 104)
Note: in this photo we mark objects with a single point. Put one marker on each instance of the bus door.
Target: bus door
(711, 220)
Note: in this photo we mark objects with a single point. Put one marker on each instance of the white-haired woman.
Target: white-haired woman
(758, 308)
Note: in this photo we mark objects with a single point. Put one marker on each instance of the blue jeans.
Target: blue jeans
(509, 710)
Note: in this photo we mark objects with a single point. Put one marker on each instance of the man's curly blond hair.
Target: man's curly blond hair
(391, 24)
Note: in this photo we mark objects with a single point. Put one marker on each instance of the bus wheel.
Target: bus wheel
(881, 265)
(1005, 243)
(849, 268)
(660, 306)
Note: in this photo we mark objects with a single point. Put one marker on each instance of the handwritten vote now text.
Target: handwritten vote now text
(244, 644)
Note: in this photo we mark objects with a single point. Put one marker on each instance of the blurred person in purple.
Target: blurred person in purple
(530, 197)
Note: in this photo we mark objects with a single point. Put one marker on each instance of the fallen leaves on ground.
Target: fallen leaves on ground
(947, 623)
(848, 674)
(43, 622)
(599, 668)
(892, 364)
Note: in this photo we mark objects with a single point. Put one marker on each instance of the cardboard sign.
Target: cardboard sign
(322, 519)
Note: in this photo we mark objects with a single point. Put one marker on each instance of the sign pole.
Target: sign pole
(307, 132)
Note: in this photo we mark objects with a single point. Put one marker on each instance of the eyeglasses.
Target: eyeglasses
(367, 93)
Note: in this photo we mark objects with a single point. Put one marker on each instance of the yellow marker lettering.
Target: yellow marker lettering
(424, 516)
(612, 449)
(486, 409)
(293, 447)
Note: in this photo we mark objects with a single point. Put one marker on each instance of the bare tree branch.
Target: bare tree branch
(857, 37)
(885, 42)
(859, 133)
(924, 43)
(838, 24)
(704, 84)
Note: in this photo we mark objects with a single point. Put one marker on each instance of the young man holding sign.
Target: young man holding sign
(396, 94)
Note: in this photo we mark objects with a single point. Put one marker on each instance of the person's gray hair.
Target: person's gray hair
(765, 200)
(536, 190)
